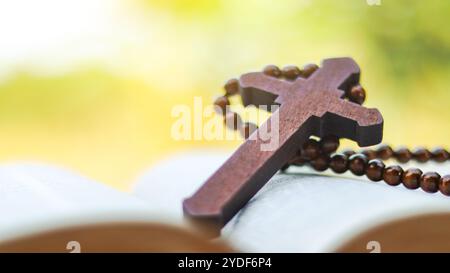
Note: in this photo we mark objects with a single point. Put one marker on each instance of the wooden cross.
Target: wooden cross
(312, 106)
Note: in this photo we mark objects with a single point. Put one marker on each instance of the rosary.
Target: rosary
(323, 101)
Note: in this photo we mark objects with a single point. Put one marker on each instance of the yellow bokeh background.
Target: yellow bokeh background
(91, 87)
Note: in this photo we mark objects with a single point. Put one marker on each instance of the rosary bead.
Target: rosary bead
(247, 129)
(375, 169)
(232, 120)
(444, 185)
(421, 154)
(429, 182)
(309, 69)
(411, 178)
(392, 175)
(329, 144)
(222, 103)
(339, 163)
(357, 94)
(403, 154)
(440, 154)
(290, 72)
(357, 164)
(272, 70)
(311, 149)
(384, 152)
(231, 87)
(369, 153)
(321, 163)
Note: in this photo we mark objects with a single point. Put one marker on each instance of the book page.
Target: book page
(35, 198)
(299, 211)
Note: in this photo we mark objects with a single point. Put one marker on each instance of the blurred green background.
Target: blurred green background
(90, 84)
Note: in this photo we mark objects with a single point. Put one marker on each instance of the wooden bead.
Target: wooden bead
(357, 94)
(247, 129)
(357, 164)
(369, 153)
(272, 70)
(309, 69)
(411, 178)
(421, 154)
(329, 144)
(232, 120)
(290, 72)
(231, 87)
(311, 149)
(375, 169)
(429, 182)
(384, 152)
(339, 163)
(321, 163)
(402, 154)
(222, 103)
(444, 185)
(392, 175)
(439, 154)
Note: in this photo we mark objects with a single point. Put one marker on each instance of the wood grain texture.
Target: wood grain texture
(312, 106)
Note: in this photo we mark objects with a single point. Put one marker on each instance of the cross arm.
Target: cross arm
(260, 89)
(350, 120)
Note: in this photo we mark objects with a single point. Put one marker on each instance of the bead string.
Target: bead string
(321, 155)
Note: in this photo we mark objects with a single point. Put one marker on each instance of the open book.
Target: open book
(47, 208)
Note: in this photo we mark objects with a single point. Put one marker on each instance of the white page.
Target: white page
(293, 212)
(36, 198)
